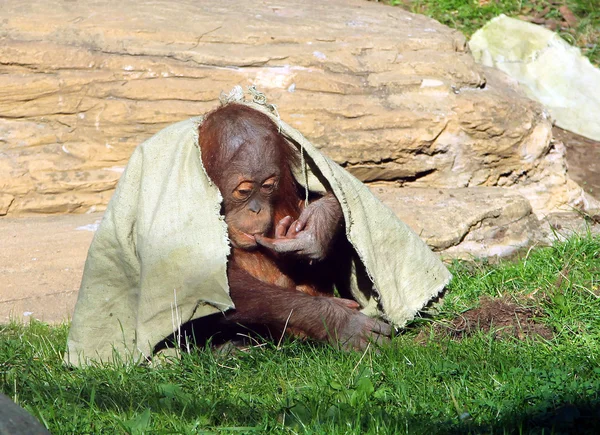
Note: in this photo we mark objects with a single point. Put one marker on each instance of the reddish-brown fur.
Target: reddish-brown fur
(243, 153)
(213, 134)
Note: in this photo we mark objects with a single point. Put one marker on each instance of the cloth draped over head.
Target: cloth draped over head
(159, 256)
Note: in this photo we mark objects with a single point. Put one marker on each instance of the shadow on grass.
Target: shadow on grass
(98, 398)
(581, 418)
(547, 417)
(544, 417)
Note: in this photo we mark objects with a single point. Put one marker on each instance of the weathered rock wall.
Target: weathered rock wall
(392, 96)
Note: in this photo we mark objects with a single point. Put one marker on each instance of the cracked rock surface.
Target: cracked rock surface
(454, 148)
(465, 222)
(390, 95)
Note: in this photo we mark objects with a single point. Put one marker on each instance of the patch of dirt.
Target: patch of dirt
(501, 316)
(583, 160)
(565, 20)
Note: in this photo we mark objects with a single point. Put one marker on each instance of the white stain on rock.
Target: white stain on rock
(431, 83)
(119, 169)
(278, 77)
(89, 227)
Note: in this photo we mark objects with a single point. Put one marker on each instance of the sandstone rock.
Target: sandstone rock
(390, 95)
(562, 225)
(465, 222)
(536, 57)
(5, 202)
(42, 259)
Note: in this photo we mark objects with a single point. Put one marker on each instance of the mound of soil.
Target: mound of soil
(583, 158)
(501, 316)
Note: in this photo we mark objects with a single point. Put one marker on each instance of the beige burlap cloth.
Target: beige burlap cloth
(159, 256)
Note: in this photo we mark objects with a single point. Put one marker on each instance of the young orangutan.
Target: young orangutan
(278, 245)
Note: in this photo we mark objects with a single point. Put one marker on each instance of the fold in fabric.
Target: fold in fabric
(159, 257)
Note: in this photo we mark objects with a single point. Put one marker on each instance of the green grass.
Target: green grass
(470, 15)
(479, 384)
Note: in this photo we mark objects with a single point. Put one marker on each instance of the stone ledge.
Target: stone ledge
(390, 95)
(43, 256)
(465, 222)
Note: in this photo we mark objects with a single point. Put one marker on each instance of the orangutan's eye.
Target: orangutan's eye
(243, 191)
(270, 185)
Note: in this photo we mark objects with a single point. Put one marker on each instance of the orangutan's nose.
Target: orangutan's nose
(254, 206)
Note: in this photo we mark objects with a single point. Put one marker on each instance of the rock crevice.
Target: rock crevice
(391, 95)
